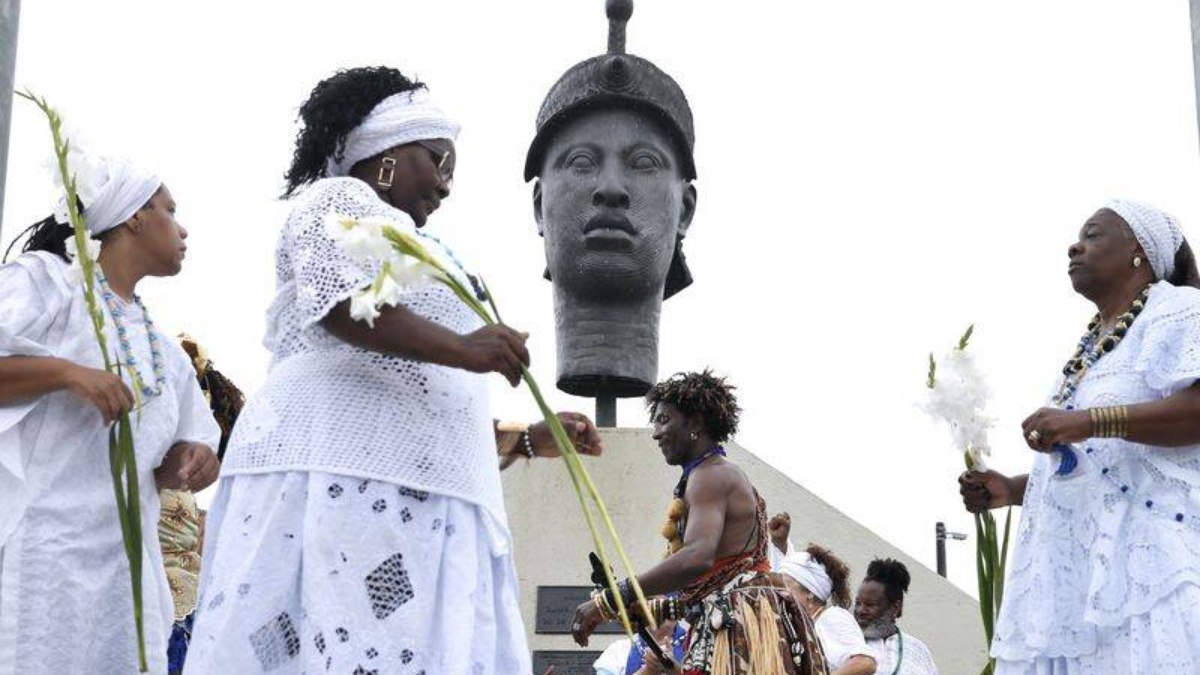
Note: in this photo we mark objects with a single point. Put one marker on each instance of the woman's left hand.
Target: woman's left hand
(587, 619)
(579, 428)
(188, 466)
(1050, 426)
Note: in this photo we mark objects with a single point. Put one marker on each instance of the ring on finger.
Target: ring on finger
(1035, 436)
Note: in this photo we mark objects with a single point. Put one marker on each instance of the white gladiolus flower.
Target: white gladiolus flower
(407, 271)
(84, 168)
(75, 271)
(389, 291)
(364, 306)
(361, 238)
(958, 398)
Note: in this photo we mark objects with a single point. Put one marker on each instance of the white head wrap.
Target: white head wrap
(111, 189)
(1158, 233)
(808, 573)
(398, 119)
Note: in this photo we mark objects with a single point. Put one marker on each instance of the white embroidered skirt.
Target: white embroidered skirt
(308, 572)
(1164, 640)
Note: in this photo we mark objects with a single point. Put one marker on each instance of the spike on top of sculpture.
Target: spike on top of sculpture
(613, 200)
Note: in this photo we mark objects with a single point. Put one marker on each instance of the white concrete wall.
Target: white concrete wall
(552, 541)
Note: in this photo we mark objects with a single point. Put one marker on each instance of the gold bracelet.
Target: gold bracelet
(602, 606)
(1109, 421)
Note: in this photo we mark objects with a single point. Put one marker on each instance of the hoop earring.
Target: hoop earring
(387, 172)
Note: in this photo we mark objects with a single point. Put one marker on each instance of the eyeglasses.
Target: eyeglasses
(441, 158)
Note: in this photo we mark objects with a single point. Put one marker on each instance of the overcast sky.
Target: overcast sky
(873, 176)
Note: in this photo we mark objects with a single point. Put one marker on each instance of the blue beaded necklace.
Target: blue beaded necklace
(476, 286)
(156, 358)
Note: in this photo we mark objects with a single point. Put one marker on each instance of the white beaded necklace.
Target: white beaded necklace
(117, 311)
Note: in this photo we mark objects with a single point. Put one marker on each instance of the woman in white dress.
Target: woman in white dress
(1105, 569)
(819, 581)
(65, 596)
(359, 525)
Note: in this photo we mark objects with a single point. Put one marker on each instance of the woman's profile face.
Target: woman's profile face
(423, 172)
(160, 236)
(1103, 255)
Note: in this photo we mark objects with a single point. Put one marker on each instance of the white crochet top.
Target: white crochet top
(329, 406)
(1120, 533)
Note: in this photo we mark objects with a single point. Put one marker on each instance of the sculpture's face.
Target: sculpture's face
(611, 202)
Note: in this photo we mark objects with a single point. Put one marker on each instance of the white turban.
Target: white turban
(808, 573)
(111, 189)
(402, 118)
(1158, 233)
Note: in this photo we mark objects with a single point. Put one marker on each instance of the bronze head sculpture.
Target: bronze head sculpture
(613, 201)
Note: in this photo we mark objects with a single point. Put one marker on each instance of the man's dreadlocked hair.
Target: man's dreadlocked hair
(337, 106)
(838, 571)
(702, 394)
(892, 574)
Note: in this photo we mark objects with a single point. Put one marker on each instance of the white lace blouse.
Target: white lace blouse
(330, 406)
(1122, 531)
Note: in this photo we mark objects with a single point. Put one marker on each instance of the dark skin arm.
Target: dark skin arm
(707, 496)
(1171, 422)
(400, 332)
(24, 377)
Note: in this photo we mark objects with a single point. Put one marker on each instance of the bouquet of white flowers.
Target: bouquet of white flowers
(957, 395)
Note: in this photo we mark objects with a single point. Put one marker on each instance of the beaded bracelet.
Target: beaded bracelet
(524, 442)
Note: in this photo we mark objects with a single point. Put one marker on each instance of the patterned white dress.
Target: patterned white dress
(65, 594)
(359, 525)
(1105, 570)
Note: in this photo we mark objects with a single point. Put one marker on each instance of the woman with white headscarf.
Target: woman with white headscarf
(65, 597)
(1105, 570)
(359, 525)
(819, 581)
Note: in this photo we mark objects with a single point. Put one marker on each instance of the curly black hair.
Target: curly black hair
(336, 106)
(892, 574)
(702, 394)
(838, 571)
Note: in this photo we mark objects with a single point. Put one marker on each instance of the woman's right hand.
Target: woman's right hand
(986, 490)
(495, 349)
(101, 388)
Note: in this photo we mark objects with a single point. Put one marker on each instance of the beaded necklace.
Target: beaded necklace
(117, 311)
(476, 286)
(1092, 347)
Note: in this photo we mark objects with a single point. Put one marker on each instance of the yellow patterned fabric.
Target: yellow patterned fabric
(180, 536)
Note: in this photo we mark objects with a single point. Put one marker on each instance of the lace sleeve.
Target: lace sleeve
(323, 274)
(1169, 358)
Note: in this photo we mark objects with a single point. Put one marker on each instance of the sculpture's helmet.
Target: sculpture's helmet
(617, 78)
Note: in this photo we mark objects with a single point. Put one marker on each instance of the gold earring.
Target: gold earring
(387, 172)
(1137, 261)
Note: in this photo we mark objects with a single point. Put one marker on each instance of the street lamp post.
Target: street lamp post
(942, 536)
(10, 11)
